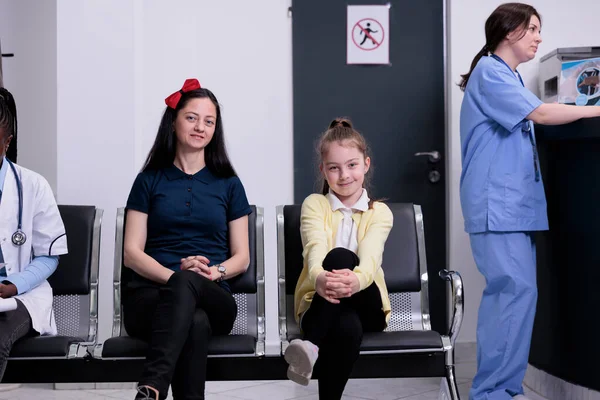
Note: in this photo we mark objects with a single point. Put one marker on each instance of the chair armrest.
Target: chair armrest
(455, 301)
(260, 281)
(95, 279)
(118, 265)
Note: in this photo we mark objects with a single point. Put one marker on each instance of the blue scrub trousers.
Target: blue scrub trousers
(506, 313)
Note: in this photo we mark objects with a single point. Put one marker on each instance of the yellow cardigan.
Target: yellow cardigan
(318, 227)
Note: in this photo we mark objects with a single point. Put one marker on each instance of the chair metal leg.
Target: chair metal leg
(449, 387)
(451, 383)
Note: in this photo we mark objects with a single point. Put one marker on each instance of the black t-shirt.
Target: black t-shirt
(188, 215)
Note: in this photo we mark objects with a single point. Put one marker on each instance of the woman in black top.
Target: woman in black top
(186, 234)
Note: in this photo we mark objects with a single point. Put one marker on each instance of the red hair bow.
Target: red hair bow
(188, 86)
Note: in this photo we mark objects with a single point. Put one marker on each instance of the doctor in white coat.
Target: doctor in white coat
(32, 236)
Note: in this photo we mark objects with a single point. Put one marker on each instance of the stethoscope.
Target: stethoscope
(526, 126)
(18, 238)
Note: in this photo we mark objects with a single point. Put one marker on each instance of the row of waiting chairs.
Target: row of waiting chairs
(407, 348)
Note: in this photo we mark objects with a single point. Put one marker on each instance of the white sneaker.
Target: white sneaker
(521, 397)
(301, 355)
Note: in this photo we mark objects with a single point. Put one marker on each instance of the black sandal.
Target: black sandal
(147, 393)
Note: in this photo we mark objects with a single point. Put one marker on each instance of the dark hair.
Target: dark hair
(8, 122)
(164, 148)
(505, 19)
(340, 130)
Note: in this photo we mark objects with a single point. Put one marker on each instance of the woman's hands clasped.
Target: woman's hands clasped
(199, 265)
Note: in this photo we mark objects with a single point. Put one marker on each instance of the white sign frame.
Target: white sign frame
(368, 34)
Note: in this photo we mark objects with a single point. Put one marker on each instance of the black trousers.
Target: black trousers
(178, 319)
(14, 325)
(338, 328)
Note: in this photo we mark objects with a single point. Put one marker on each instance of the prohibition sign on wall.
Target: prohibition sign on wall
(368, 34)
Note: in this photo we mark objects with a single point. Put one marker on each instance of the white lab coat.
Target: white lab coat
(45, 237)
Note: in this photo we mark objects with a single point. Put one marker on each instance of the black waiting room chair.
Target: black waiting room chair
(247, 339)
(75, 306)
(408, 347)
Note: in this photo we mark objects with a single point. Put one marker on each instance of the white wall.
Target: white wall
(563, 25)
(8, 33)
(119, 60)
(96, 117)
(242, 52)
(28, 29)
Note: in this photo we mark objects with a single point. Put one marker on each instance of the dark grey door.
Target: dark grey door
(398, 107)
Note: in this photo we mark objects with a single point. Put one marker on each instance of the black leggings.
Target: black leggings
(178, 319)
(337, 329)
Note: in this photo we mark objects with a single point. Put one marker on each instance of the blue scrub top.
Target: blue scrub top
(499, 187)
(188, 215)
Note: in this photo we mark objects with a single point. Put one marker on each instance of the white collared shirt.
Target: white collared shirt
(347, 232)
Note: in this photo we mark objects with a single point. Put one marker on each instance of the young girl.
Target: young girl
(186, 235)
(341, 291)
(502, 193)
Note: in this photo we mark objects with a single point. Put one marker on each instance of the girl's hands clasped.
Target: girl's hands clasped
(337, 284)
(344, 283)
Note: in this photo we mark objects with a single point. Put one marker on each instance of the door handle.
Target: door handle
(434, 156)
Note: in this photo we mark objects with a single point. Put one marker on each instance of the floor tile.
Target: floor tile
(280, 390)
(465, 352)
(533, 395)
(463, 390)
(5, 387)
(224, 386)
(390, 389)
(219, 396)
(116, 385)
(316, 397)
(465, 371)
(49, 394)
(75, 386)
(113, 393)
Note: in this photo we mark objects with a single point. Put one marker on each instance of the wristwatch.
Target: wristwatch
(223, 270)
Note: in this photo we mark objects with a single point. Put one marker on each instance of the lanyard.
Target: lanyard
(526, 126)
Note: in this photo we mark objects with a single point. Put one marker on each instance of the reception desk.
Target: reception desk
(566, 335)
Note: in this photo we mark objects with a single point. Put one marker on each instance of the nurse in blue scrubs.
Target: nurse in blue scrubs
(502, 193)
